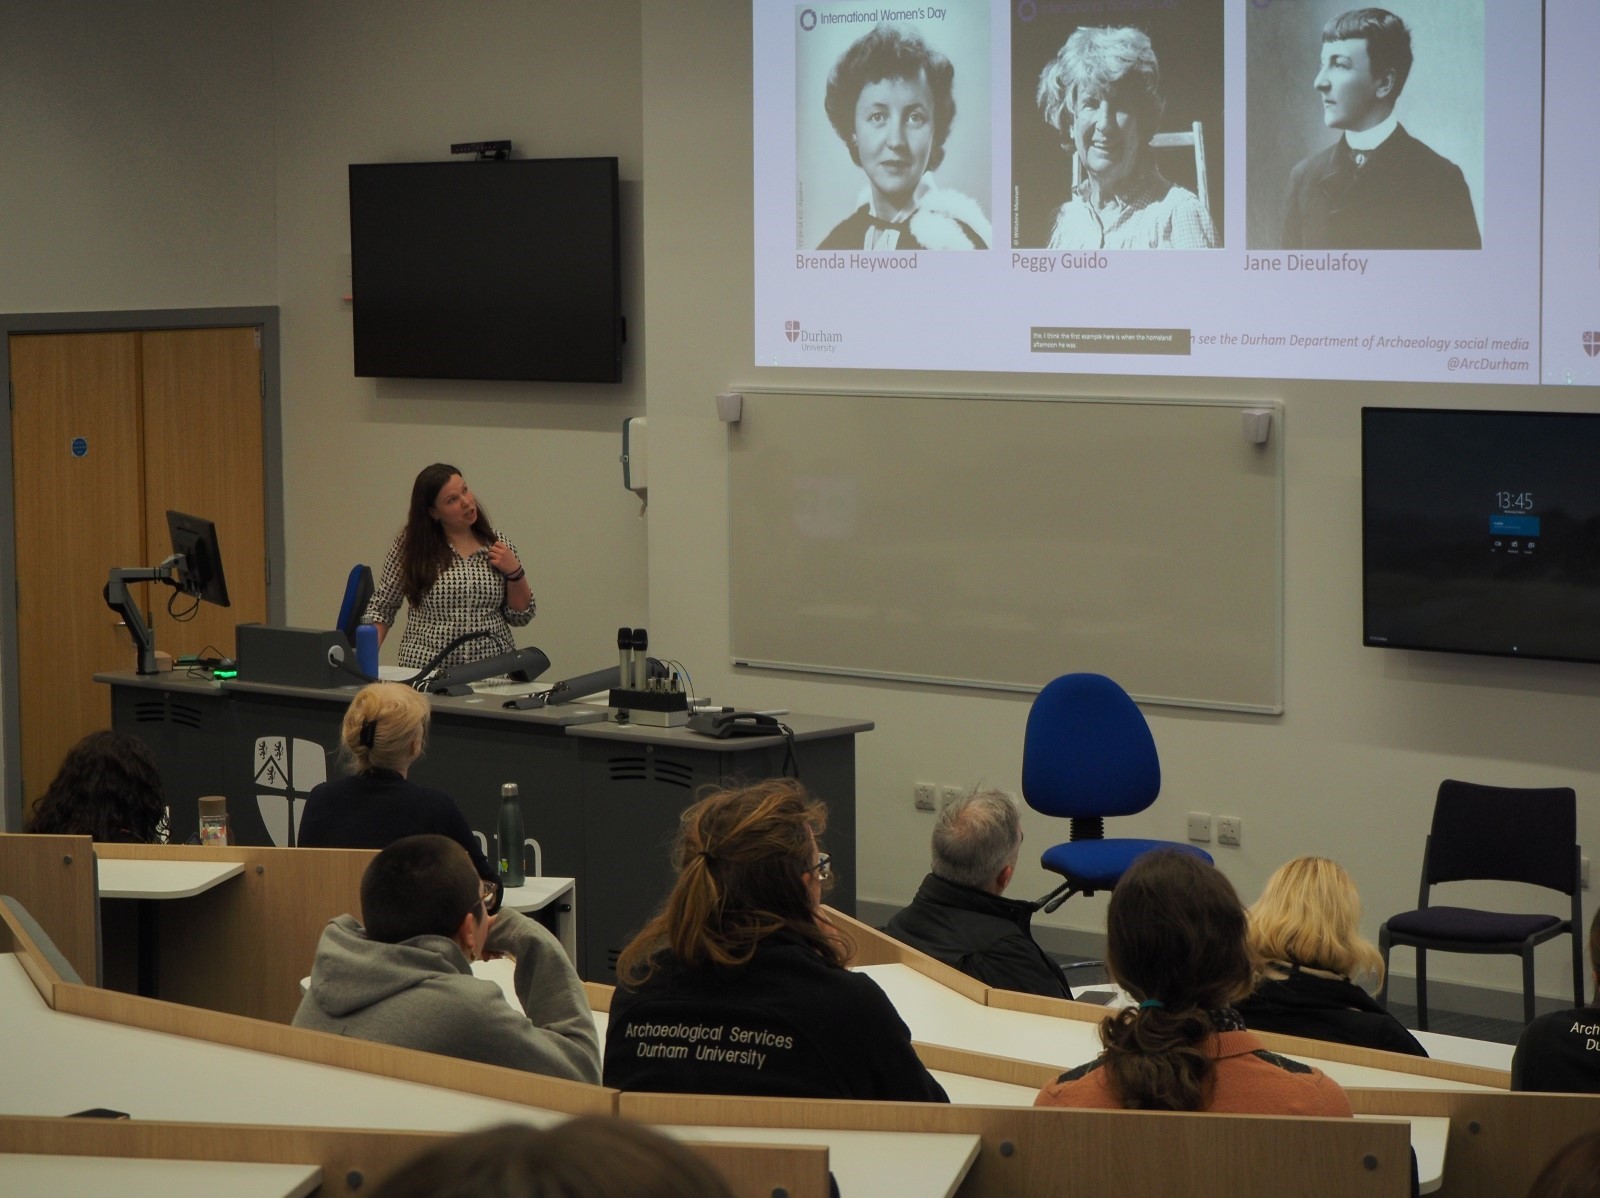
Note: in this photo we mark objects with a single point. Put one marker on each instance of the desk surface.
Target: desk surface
(123, 879)
(55, 1065)
(1459, 1049)
(806, 727)
(535, 894)
(28, 1175)
(940, 1016)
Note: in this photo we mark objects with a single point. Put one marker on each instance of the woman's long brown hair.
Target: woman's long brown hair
(424, 549)
(741, 856)
(1175, 932)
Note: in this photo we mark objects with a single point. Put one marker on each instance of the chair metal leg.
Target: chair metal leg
(1383, 949)
(1577, 967)
(1422, 989)
(1527, 985)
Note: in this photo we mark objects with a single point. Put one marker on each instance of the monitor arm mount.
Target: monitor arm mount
(118, 599)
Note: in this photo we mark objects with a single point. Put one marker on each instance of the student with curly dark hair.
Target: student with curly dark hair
(891, 100)
(108, 787)
(738, 986)
(1175, 941)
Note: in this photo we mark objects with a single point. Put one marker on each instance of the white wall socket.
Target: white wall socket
(949, 794)
(1229, 829)
(923, 795)
(1200, 827)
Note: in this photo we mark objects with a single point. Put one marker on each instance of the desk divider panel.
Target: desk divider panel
(873, 947)
(341, 1052)
(353, 1162)
(1038, 1153)
(243, 946)
(14, 938)
(997, 542)
(1498, 1142)
(54, 878)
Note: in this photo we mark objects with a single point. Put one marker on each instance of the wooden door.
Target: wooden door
(108, 431)
(202, 455)
(78, 474)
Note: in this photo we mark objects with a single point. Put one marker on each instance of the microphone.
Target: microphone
(524, 665)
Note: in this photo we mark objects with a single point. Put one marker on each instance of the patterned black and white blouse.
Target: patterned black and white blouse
(468, 596)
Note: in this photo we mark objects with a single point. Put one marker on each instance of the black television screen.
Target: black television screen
(1481, 531)
(487, 270)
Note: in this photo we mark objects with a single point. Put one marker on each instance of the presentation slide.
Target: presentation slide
(976, 185)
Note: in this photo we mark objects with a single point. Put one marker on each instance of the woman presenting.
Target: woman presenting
(456, 573)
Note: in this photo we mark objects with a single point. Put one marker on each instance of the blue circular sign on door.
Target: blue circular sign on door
(80, 447)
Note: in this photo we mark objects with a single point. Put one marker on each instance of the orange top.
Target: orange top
(1249, 1080)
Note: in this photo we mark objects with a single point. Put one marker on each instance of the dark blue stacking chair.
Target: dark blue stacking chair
(1088, 754)
(1494, 833)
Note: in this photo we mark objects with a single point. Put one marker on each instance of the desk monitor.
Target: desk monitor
(194, 540)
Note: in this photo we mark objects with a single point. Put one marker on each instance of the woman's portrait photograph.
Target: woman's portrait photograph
(892, 132)
(1117, 138)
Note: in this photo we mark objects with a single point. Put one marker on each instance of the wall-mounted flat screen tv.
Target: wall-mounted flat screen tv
(1481, 531)
(487, 270)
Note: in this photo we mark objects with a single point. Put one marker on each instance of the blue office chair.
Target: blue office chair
(357, 594)
(1087, 754)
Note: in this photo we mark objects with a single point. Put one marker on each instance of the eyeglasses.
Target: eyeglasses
(823, 868)
(490, 893)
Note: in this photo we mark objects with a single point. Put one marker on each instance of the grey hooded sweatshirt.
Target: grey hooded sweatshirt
(421, 993)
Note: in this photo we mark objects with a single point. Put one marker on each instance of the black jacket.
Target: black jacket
(374, 809)
(1324, 1008)
(1559, 1052)
(1406, 197)
(981, 934)
(786, 1024)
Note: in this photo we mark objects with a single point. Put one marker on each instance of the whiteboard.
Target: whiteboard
(1000, 542)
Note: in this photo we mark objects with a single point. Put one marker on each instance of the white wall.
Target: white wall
(399, 80)
(1348, 771)
(136, 156)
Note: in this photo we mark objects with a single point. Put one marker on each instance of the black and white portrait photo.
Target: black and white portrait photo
(893, 129)
(1117, 139)
(1366, 126)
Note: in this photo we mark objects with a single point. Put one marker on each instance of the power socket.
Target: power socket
(1200, 827)
(922, 796)
(949, 794)
(1229, 829)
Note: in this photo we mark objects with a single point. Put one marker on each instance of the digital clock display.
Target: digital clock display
(1514, 501)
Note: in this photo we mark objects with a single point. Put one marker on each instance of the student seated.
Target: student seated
(587, 1157)
(959, 914)
(1556, 1052)
(738, 986)
(109, 788)
(385, 730)
(1305, 927)
(1175, 941)
(404, 976)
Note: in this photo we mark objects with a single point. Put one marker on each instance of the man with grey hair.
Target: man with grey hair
(960, 915)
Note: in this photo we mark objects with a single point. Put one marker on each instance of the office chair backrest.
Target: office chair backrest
(357, 594)
(1088, 750)
(1506, 833)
